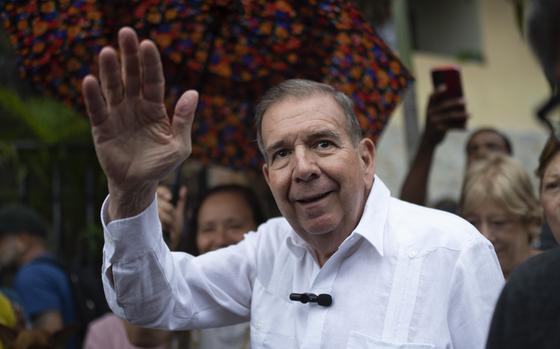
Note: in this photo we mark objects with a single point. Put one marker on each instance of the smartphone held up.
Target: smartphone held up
(450, 77)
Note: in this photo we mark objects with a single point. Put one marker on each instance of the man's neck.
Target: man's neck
(324, 247)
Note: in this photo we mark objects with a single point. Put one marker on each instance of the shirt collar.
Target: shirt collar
(374, 217)
(371, 225)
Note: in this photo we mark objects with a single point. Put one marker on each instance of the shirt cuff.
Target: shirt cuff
(132, 236)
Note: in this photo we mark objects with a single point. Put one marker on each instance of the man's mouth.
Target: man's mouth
(313, 198)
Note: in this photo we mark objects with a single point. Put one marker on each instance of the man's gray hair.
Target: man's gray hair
(300, 88)
(543, 31)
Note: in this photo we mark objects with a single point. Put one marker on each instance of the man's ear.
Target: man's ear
(265, 173)
(366, 150)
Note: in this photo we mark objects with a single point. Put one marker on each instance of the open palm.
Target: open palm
(136, 142)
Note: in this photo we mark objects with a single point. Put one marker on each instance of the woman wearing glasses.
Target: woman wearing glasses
(499, 200)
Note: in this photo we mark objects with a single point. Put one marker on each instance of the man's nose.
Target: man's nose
(305, 167)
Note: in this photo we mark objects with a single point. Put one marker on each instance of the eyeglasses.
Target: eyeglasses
(549, 113)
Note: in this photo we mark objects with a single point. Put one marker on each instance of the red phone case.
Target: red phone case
(451, 77)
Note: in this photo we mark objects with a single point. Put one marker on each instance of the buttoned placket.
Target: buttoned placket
(321, 281)
(403, 296)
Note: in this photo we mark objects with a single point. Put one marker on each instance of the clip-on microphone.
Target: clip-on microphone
(323, 299)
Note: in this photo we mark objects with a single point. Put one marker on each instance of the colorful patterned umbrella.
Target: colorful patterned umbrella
(231, 51)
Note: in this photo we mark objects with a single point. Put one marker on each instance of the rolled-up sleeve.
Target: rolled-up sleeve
(151, 286)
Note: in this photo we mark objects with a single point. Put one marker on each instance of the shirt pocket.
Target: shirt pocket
(357, 340)
(273, 319)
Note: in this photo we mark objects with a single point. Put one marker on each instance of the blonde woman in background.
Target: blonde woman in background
(498, 198)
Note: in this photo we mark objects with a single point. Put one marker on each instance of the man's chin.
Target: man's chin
(320, 226)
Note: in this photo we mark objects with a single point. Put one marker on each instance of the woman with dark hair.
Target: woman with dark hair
(222, 216)
(549, 176)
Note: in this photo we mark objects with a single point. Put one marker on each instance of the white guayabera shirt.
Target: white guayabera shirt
(407, 277)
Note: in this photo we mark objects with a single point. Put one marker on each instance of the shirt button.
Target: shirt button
(411, 254)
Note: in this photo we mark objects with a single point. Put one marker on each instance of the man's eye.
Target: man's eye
(324, 144)
(280, 154)
(551, 185)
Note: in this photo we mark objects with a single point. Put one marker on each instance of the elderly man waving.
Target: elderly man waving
(347, 266)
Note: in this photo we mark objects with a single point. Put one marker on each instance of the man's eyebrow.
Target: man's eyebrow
(277, 145)
(323, 133)
(320, 133)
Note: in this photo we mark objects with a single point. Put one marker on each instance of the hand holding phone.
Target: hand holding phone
(448, 100)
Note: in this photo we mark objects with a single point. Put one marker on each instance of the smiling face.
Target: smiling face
(550, 195)
(319, 178)
(223, 219)
(507, 233)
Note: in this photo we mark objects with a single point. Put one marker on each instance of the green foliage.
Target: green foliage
(42, 118)
(47, 161)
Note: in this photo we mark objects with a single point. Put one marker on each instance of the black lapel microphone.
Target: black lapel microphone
(323, 299)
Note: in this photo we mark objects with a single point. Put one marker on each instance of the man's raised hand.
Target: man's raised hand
(136, 142)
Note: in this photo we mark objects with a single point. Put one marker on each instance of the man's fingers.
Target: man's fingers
(447, 105)
(110, 76)
(95, 104)
(130, 60)
(448, 118)
(184, 115)
(153, 82)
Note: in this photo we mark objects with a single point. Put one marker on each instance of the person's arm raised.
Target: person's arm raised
(136, 142)
(441, 115)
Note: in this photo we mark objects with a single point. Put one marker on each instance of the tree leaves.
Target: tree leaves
(40, 118)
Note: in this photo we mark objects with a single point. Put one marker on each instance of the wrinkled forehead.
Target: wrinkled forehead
(311, 105)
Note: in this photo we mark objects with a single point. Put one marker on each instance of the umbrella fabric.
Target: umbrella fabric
(231, 51)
